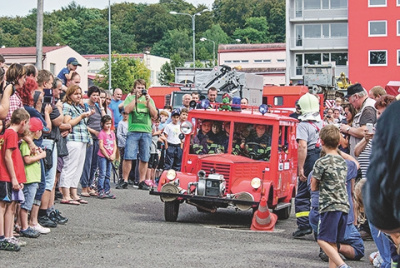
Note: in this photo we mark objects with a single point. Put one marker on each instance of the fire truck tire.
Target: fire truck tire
(171, 211)
(283, 214)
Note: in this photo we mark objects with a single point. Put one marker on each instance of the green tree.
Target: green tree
(255, 31)
(174, 42)
(125, 71)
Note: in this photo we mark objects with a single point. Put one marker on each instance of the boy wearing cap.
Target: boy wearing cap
(66, 73)
(33, 176)
(173, 157)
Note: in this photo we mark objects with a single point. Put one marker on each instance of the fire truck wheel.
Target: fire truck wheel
(283, 214)
(171, 210)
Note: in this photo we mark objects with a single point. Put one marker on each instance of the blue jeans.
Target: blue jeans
(103, 183)
(138, 145)
(90, 166)
(51, 173)
(383, 245)
(42, 185)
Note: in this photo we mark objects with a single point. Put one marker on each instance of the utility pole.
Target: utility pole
(109, 48)
(39, 35)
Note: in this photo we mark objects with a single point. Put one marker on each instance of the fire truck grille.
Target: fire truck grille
(223, 169)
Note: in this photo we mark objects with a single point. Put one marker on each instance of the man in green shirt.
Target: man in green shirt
(141, 109)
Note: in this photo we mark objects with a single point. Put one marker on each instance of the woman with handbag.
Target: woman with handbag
(77, 142)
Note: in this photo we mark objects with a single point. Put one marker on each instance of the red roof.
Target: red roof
(26, 50)
(251, 47)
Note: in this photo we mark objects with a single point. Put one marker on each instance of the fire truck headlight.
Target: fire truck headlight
(171, 175)
(186, 127)
(256, 183)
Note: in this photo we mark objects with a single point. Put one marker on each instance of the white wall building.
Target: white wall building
(54, 59)
(316, 33)
(153, 63)
(268, 60)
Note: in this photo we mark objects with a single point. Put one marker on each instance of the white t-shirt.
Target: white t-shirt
(172, 131)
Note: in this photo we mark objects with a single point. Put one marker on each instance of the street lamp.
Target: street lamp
(193, 29)
(205, 39)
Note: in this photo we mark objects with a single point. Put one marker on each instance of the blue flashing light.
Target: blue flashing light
(205, 104)
(236, 104)
(263, 109)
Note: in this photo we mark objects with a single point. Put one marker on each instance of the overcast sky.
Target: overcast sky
(21, 7)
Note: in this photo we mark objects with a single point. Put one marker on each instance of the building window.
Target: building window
(325, 57)
(377, 28)
(299, 34)
(338, 4)
(245, 61)
(314, 58)
(376, 3)
(280, 60)
(299, 8)
(257, 61)
(312, 4)
(312, 31)
(227, 61)
(398, 57)
(325, 4)
(339, 30)
(52, 68)
(377, 58)
(398, 27)
(299, 64)
(236, 61)
(398, 2)
(325, 30)
(267, 61)
(278, 101)
(339, 58)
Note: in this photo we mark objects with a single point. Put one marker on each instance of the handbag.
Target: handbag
(62, 149)
(48, 160)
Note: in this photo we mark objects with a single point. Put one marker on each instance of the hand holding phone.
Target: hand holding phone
(370, 128)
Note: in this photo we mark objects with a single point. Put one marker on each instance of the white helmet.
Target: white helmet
(309, 105)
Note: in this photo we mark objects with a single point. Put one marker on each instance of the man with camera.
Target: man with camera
(141, 109)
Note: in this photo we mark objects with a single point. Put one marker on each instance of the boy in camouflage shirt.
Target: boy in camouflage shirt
(329, 177)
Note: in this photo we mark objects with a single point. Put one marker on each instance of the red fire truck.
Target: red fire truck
(247, 154)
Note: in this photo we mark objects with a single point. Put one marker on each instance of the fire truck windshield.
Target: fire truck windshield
(249, 140)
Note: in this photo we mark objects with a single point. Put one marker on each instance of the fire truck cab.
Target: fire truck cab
(233, 159)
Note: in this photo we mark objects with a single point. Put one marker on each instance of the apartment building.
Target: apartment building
(374, 42)
(316, 33)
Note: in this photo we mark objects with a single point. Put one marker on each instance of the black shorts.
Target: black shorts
(153, 161)
(5, 191)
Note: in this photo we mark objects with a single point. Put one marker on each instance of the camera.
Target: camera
(48, 96)
(328, 116)
(144, 92)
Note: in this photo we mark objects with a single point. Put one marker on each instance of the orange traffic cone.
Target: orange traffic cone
(263, 220)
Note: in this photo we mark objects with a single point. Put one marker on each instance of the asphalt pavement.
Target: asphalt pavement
(130, 231)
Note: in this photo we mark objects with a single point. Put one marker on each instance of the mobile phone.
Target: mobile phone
(48, 96)
(370, 128)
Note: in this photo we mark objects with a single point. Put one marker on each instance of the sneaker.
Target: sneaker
(56, 217)
(58, 196)
(18, 242)
(322, 255)
(131, 182)
(9, 246)
(101, 195)
(46, 222)
(30, 233)
(143, 186)
(40, 229)
(122, 185)
(136, 184)
(301, 232)
(109, 195)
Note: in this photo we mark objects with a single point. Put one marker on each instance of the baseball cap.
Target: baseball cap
(73, 61)
(35, 124)
(353, 89)
(176, 112)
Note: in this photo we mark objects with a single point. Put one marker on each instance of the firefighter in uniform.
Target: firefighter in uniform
(309, 148)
